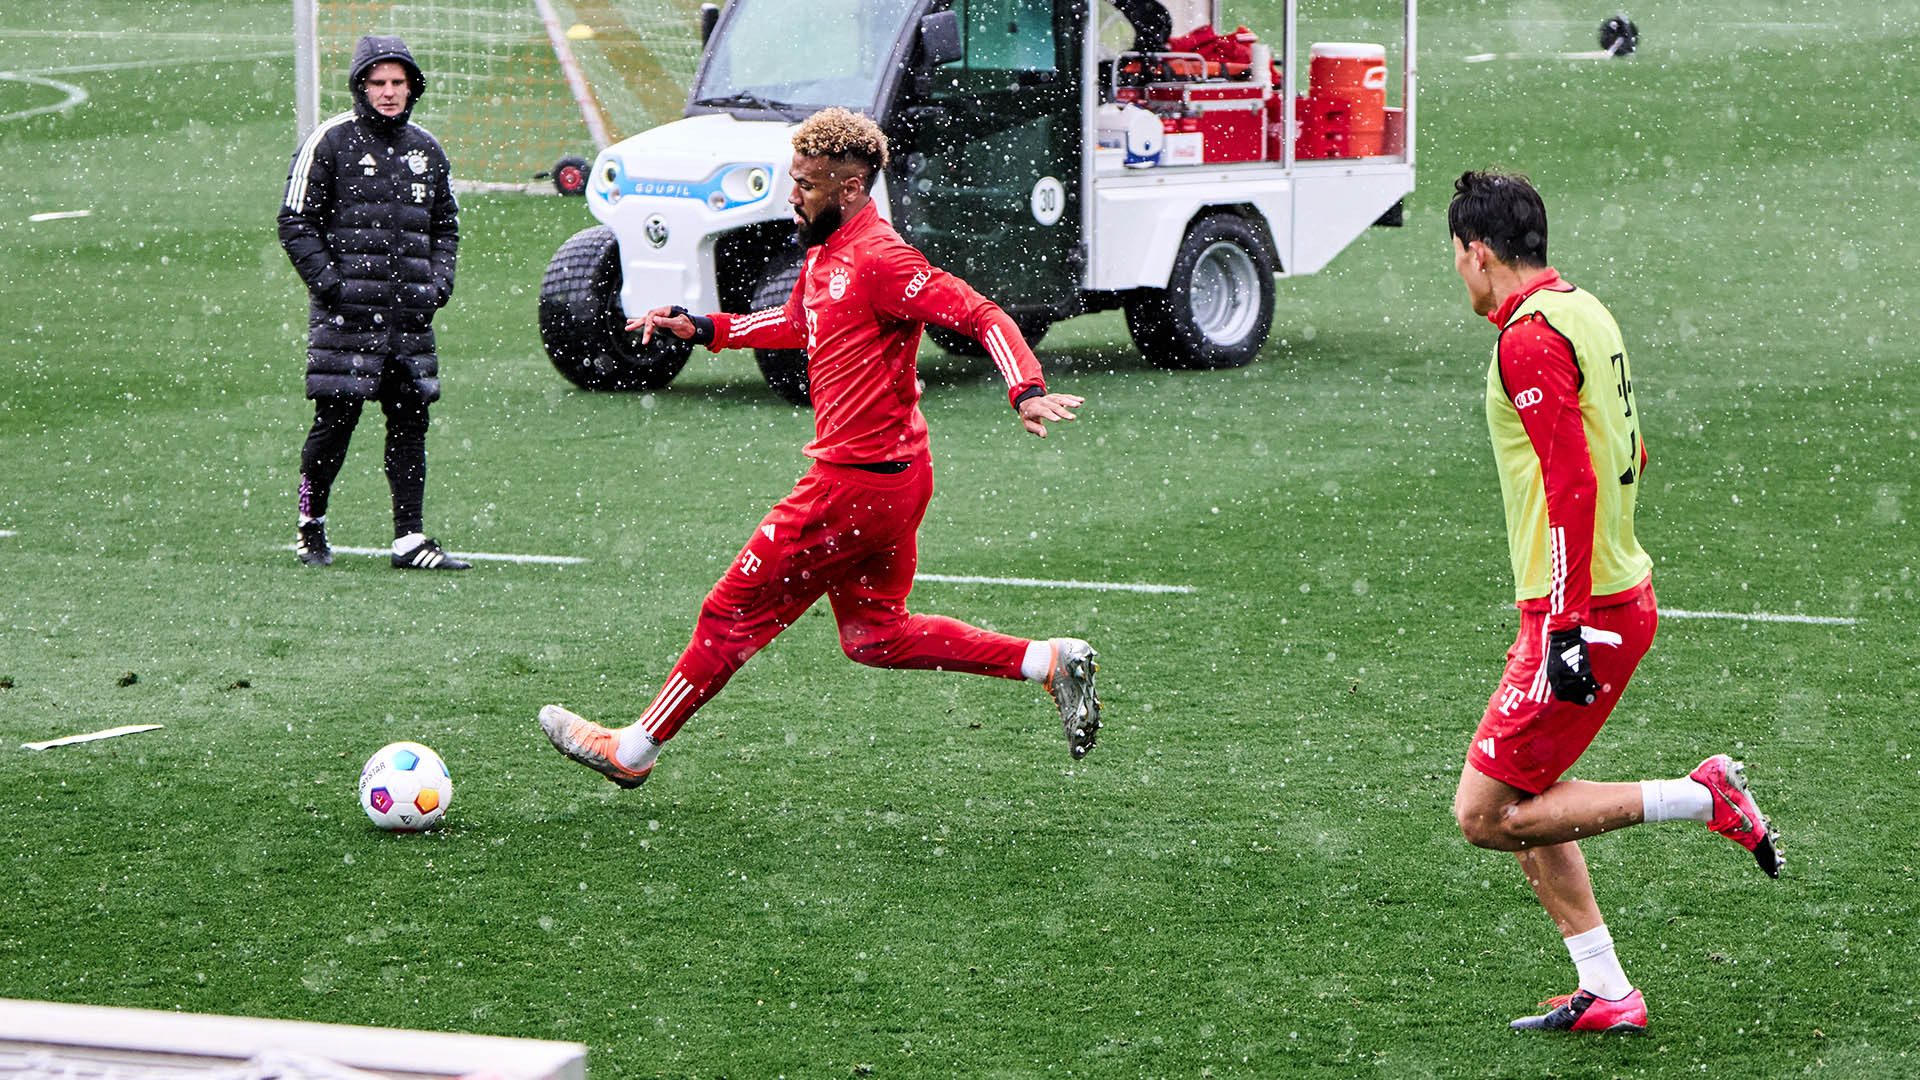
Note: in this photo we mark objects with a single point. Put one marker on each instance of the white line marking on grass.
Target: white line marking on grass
(1041, 583)
(8, 532)
(91, 736)
(1758, 616)
(481, 556)
(171, 61)
(58, 215)
(143, 35)
(1587, 54)
(75, 95)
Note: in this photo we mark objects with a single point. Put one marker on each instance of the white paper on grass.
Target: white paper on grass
(91, 736)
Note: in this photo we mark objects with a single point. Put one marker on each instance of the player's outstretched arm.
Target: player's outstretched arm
(770, 328)
(673, 319)
(1036, 410)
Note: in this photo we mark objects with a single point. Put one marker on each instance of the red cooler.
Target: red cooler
(1230, 116)
(1345, 111)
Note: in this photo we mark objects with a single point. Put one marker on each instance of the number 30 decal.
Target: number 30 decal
(1049, 200)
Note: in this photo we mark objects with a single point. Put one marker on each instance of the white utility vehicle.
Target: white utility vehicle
(1059, 155)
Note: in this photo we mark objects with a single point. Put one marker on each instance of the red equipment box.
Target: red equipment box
(1231, 117)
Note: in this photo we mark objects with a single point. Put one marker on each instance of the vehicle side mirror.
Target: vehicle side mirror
(709, 18)
(940, 38)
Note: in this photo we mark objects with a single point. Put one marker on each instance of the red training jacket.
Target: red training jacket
(858, 310)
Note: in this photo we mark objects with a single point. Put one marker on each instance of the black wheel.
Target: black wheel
(785, 369)
(584, 328)
(1032, 328)
(570, 176)
(1218, 304)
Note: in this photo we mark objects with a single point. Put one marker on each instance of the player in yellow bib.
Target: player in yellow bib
(1567, 443)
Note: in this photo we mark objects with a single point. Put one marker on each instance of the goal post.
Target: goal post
(513, 86)
(44, 1040)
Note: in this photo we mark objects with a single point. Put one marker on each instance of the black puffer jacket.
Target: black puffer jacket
(371, 225)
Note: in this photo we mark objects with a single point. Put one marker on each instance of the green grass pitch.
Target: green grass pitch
(844, 872)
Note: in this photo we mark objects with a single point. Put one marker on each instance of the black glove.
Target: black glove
(1568, 671)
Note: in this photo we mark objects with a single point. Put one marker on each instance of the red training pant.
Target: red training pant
(853, 535)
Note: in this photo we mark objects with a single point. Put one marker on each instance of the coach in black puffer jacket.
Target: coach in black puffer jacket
(371, 225)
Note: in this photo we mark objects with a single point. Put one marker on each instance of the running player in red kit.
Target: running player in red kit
(849, 529)
(1566, 439)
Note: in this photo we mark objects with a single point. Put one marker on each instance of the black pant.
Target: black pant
(326, 449)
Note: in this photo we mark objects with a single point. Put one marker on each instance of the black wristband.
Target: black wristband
(702, 326)
(1029, 392)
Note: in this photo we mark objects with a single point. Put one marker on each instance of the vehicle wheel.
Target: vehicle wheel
(785, 369)
(584, 328)
(570, 176)
(1218, 304)
(1032, 327)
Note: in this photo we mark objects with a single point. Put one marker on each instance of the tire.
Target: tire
(1032, 328)
(785, 369)
(570, 176)
(584, 329)
(1217, 307)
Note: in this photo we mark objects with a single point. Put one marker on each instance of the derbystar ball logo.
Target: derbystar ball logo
(837, 282)
(919, 282)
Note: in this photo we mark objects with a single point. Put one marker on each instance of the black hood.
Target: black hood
(374, 49)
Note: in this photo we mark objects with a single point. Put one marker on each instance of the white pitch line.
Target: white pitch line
(59, 215)
(8, 532)
(1041, 583)
(91, 736)
(1589, 54)
(483, 556)
(1758, 616)
(162, 62)
(76, 96)
(144, 35)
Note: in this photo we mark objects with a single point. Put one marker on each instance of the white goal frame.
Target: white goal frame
(97, 1042)
(307, 79)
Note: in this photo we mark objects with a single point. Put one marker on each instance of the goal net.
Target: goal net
(513, 86)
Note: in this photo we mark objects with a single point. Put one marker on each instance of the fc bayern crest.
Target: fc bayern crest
(837, 282)
(417, 161)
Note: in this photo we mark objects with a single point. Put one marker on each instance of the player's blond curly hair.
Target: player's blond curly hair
(843, 135)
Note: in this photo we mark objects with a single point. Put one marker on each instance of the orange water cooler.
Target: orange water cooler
(1344, 113)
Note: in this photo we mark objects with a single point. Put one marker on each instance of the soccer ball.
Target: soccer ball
(405, 787)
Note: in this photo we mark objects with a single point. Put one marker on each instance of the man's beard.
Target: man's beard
(816, 231)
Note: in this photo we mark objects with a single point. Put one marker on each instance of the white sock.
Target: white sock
(305, 520)
(1600, 972)
(636, 749)
(408, 542)
(1684, 799)
(1035, 666)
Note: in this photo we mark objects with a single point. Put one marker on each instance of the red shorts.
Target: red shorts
(1529, 738)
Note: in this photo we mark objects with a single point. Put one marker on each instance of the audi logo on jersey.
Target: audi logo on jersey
(919, 282)
(1527, 398)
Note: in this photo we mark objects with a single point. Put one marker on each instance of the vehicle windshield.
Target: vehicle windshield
(775, 53)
